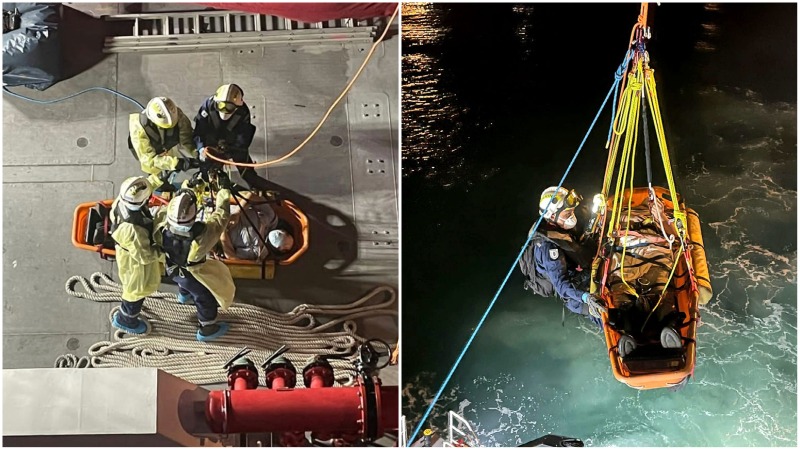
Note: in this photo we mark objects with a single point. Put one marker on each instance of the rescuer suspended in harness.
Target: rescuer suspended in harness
(555, 262)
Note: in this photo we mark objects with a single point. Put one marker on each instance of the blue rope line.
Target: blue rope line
(617, 76)
(48, 102)
(508, 275)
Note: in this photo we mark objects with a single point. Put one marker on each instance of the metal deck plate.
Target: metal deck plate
(90, 118)
(40, 321)
(288, 90)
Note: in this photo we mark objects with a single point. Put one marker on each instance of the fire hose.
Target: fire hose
(169, 342)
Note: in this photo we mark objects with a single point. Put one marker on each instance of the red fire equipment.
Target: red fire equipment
(363, 411)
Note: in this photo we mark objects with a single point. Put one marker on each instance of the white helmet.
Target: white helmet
(182, 211)
(162, 112)
(227, 98)
(281, 240)
(135, 192)
(557, 206)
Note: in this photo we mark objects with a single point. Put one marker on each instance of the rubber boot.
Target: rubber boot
(670, 338)
(213, 331)
(127, 325)
(625, 345)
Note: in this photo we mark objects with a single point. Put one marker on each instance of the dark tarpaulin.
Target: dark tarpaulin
(313, 12)
(32, 53)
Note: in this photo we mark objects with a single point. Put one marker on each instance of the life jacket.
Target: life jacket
(177, 247)
(577, 257)
(141, 218)
(172, 136)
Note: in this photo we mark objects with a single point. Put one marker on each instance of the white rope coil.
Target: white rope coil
(170, 343)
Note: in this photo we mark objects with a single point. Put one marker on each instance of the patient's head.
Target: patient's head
(280, 240)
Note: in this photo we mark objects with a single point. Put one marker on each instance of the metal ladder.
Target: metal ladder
(201, 30)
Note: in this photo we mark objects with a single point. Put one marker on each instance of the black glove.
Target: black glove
(195, 180)
(187, 163)
(223, 180)
(166, 187)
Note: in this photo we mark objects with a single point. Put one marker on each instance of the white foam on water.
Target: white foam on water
(526, 376)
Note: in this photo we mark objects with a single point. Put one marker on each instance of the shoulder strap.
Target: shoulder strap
(235, 119)
(141, 218)
(149, 128)
(574, 251)
(213, 114)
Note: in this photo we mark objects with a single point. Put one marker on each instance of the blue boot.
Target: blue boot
(185, 299)
(212, 332)
(139, 328)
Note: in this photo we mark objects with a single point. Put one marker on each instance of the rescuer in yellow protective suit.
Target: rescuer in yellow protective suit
(155, 135)
(138, 259)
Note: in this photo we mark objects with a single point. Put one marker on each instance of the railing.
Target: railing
(187, 31)
(457, 428)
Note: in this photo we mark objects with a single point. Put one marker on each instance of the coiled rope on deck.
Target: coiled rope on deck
(170, 344)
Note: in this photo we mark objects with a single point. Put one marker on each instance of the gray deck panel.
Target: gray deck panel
(35, 350)
(187, 79)
(375, 202)
(319, 178)
(53, 174)
(36, 266)
(50, 133)
(296, 100)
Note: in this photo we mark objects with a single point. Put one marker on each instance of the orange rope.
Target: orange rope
(327, 113)
(643, 15)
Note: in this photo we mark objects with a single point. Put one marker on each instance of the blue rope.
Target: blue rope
(510, 271)
(617, 76)
(48, 102)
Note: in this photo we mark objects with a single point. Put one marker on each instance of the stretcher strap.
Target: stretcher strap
(663, 291)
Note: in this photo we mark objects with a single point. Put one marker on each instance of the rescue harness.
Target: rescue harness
(141, 218)
(178, 246)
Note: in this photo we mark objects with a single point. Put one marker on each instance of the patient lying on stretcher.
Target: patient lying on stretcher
(637, 280)
(255, 232)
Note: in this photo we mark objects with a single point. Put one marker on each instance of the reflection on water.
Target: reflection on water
(431, 117)
(523, 29)
(710, 30)
(733, 131)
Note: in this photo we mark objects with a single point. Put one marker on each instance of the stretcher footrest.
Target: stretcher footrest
(654, 358)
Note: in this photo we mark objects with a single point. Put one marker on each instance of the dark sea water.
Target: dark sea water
(496, 99)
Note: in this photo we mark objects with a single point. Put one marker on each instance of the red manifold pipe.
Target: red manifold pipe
(317, 381)
(278, 383)
(333, 409)
(240, 384)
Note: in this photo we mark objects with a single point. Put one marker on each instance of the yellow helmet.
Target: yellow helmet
(557, 206)
(162, 112)
(227, 98)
